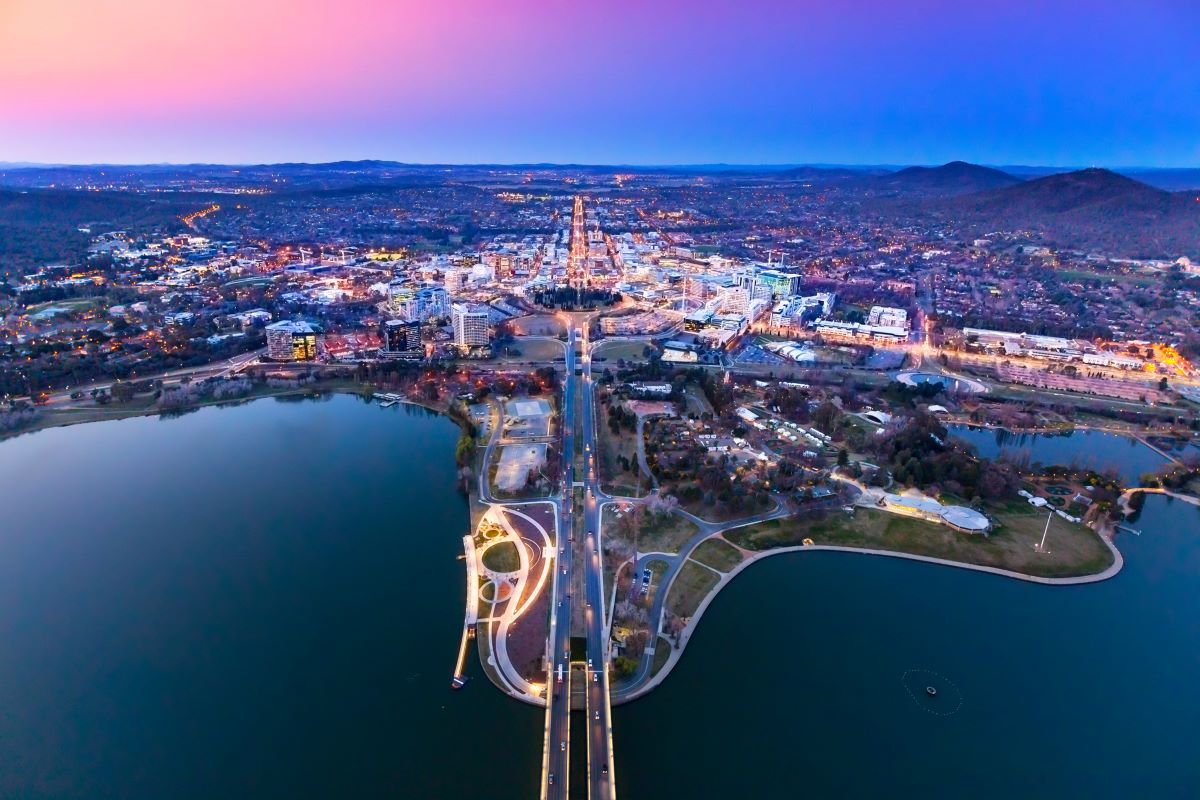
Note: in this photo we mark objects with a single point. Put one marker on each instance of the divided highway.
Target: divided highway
(556, 758)
(601, 782)
(598, 708)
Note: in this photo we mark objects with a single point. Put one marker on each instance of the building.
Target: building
(470, 325)
(402, 300)
(292, 340)
(960, 518)
(796, 311)
(767, 283)
(858, 332)
(456, 279)
(432, 303)
(887, 317)
(401, 339)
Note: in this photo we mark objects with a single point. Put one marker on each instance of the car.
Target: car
(604, 769)
(595, 677)
(551, 780)
(596, 715)
(562, 745)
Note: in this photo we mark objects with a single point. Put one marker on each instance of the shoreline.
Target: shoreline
(750, 557)
(693, 622)
(49, 420)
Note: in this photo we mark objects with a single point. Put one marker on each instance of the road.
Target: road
(223, 368)
(674, 564)
(598, 707)
(556, 760)
(601, 782)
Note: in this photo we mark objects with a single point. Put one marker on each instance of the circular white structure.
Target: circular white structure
(965, 519)
(958, 517)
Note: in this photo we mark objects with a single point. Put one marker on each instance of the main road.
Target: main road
(601, 782)
(556, 756)
(598, 708)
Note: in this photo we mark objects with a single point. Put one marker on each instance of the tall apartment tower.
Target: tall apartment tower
(470, 325)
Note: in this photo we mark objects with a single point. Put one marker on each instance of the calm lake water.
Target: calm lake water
(250, 602)
(806, 677)
(1098, 450)
(265, 601)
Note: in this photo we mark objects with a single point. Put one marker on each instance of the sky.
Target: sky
(1045, 82)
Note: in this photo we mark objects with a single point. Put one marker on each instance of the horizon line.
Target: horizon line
(733, 165)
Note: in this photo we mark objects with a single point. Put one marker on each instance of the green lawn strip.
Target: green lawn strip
(717, 554)
(664, 533)
(630, 351)
(662, 654)
(690, 587)
(1073, 549)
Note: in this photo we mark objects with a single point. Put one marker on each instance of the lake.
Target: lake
(1098, 450)
(805, 679)
(259, 601)
(266, 601)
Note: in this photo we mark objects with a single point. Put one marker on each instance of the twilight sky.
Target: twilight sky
(1057, 82)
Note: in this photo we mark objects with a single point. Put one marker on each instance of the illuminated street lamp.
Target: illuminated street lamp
(1041, 546)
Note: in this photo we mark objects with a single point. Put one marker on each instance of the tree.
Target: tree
(826, 417)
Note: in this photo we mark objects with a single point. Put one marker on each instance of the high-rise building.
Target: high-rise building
(470, 325)
(401, 339)
(767, 283)
(292, 340)
(402, 301)
(456, 279)
(433, 302)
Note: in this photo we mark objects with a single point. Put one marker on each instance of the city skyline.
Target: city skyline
(668, 83)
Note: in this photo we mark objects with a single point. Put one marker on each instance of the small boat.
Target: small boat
(932, 692)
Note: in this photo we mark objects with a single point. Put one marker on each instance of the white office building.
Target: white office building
(470, 325)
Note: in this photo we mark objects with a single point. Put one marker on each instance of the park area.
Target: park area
(649, 531)
(690, 587)
(1072, 549)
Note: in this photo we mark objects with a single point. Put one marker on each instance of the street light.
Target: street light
(1041, 546)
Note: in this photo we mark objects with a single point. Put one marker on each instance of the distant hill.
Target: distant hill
(955, 178)
(1173, 180)
(1090, 209)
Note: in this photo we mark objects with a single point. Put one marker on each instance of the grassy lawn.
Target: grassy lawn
(664, 533)
(716, 512)
(630, 351)
(690, 587)
(657, 568)
(695, 400)
(717, 554)
(73, 304)
(1085, 275)
(502, 557)
(662, 653)
(532, 350)
(1074, 549)
(613, 477)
